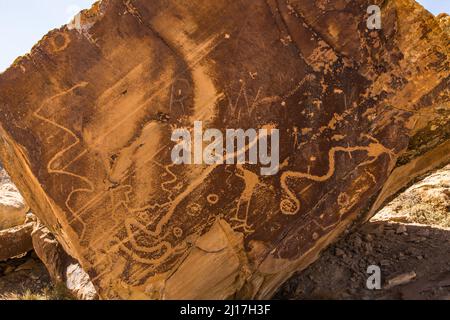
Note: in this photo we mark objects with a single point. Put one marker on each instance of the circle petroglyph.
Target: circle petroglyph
(289, 207)
(213, 198)
(178, 232)
(343, 199)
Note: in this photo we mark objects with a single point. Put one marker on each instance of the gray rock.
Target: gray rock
(13, 209)
(401, 229)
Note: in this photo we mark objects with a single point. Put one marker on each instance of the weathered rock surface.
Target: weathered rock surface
(63, 269)
(13, 209)
(15, 241)
(87, 119)
(444, 20)
(15, 229)
(426, 202)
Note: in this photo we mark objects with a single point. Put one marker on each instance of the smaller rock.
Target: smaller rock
(339, 252)
(15, 242)
(79, 283)
(379, 230)
(34, 277)
(413, 252)
(417, 239)
(28, 265)
(8, 270)
(401, 229)
(352, 291)
(423, 232)
(62, 268)
(390, 233)
(357, 242)
(368, 248)
(401, 279)
(385, 263)
(347, 259)
(12, 205)
(375, 229)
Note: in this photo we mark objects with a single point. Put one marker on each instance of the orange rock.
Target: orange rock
(86, 120)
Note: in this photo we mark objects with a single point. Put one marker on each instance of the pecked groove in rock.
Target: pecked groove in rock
(87, 119)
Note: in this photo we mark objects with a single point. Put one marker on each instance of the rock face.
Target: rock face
(444, 20)
(87, 117)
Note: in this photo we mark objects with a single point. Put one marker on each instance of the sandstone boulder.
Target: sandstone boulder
(426, 202)
(87, 117)
(13, 209)
(15, 241)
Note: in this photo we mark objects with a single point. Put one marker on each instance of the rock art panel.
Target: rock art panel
(87, 118)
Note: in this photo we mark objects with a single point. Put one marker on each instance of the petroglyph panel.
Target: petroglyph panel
(87, 119)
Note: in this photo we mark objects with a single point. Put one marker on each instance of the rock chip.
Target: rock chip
(401, 229)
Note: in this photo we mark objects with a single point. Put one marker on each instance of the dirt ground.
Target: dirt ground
(408, 240)
(24, 278)
(421, 253)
